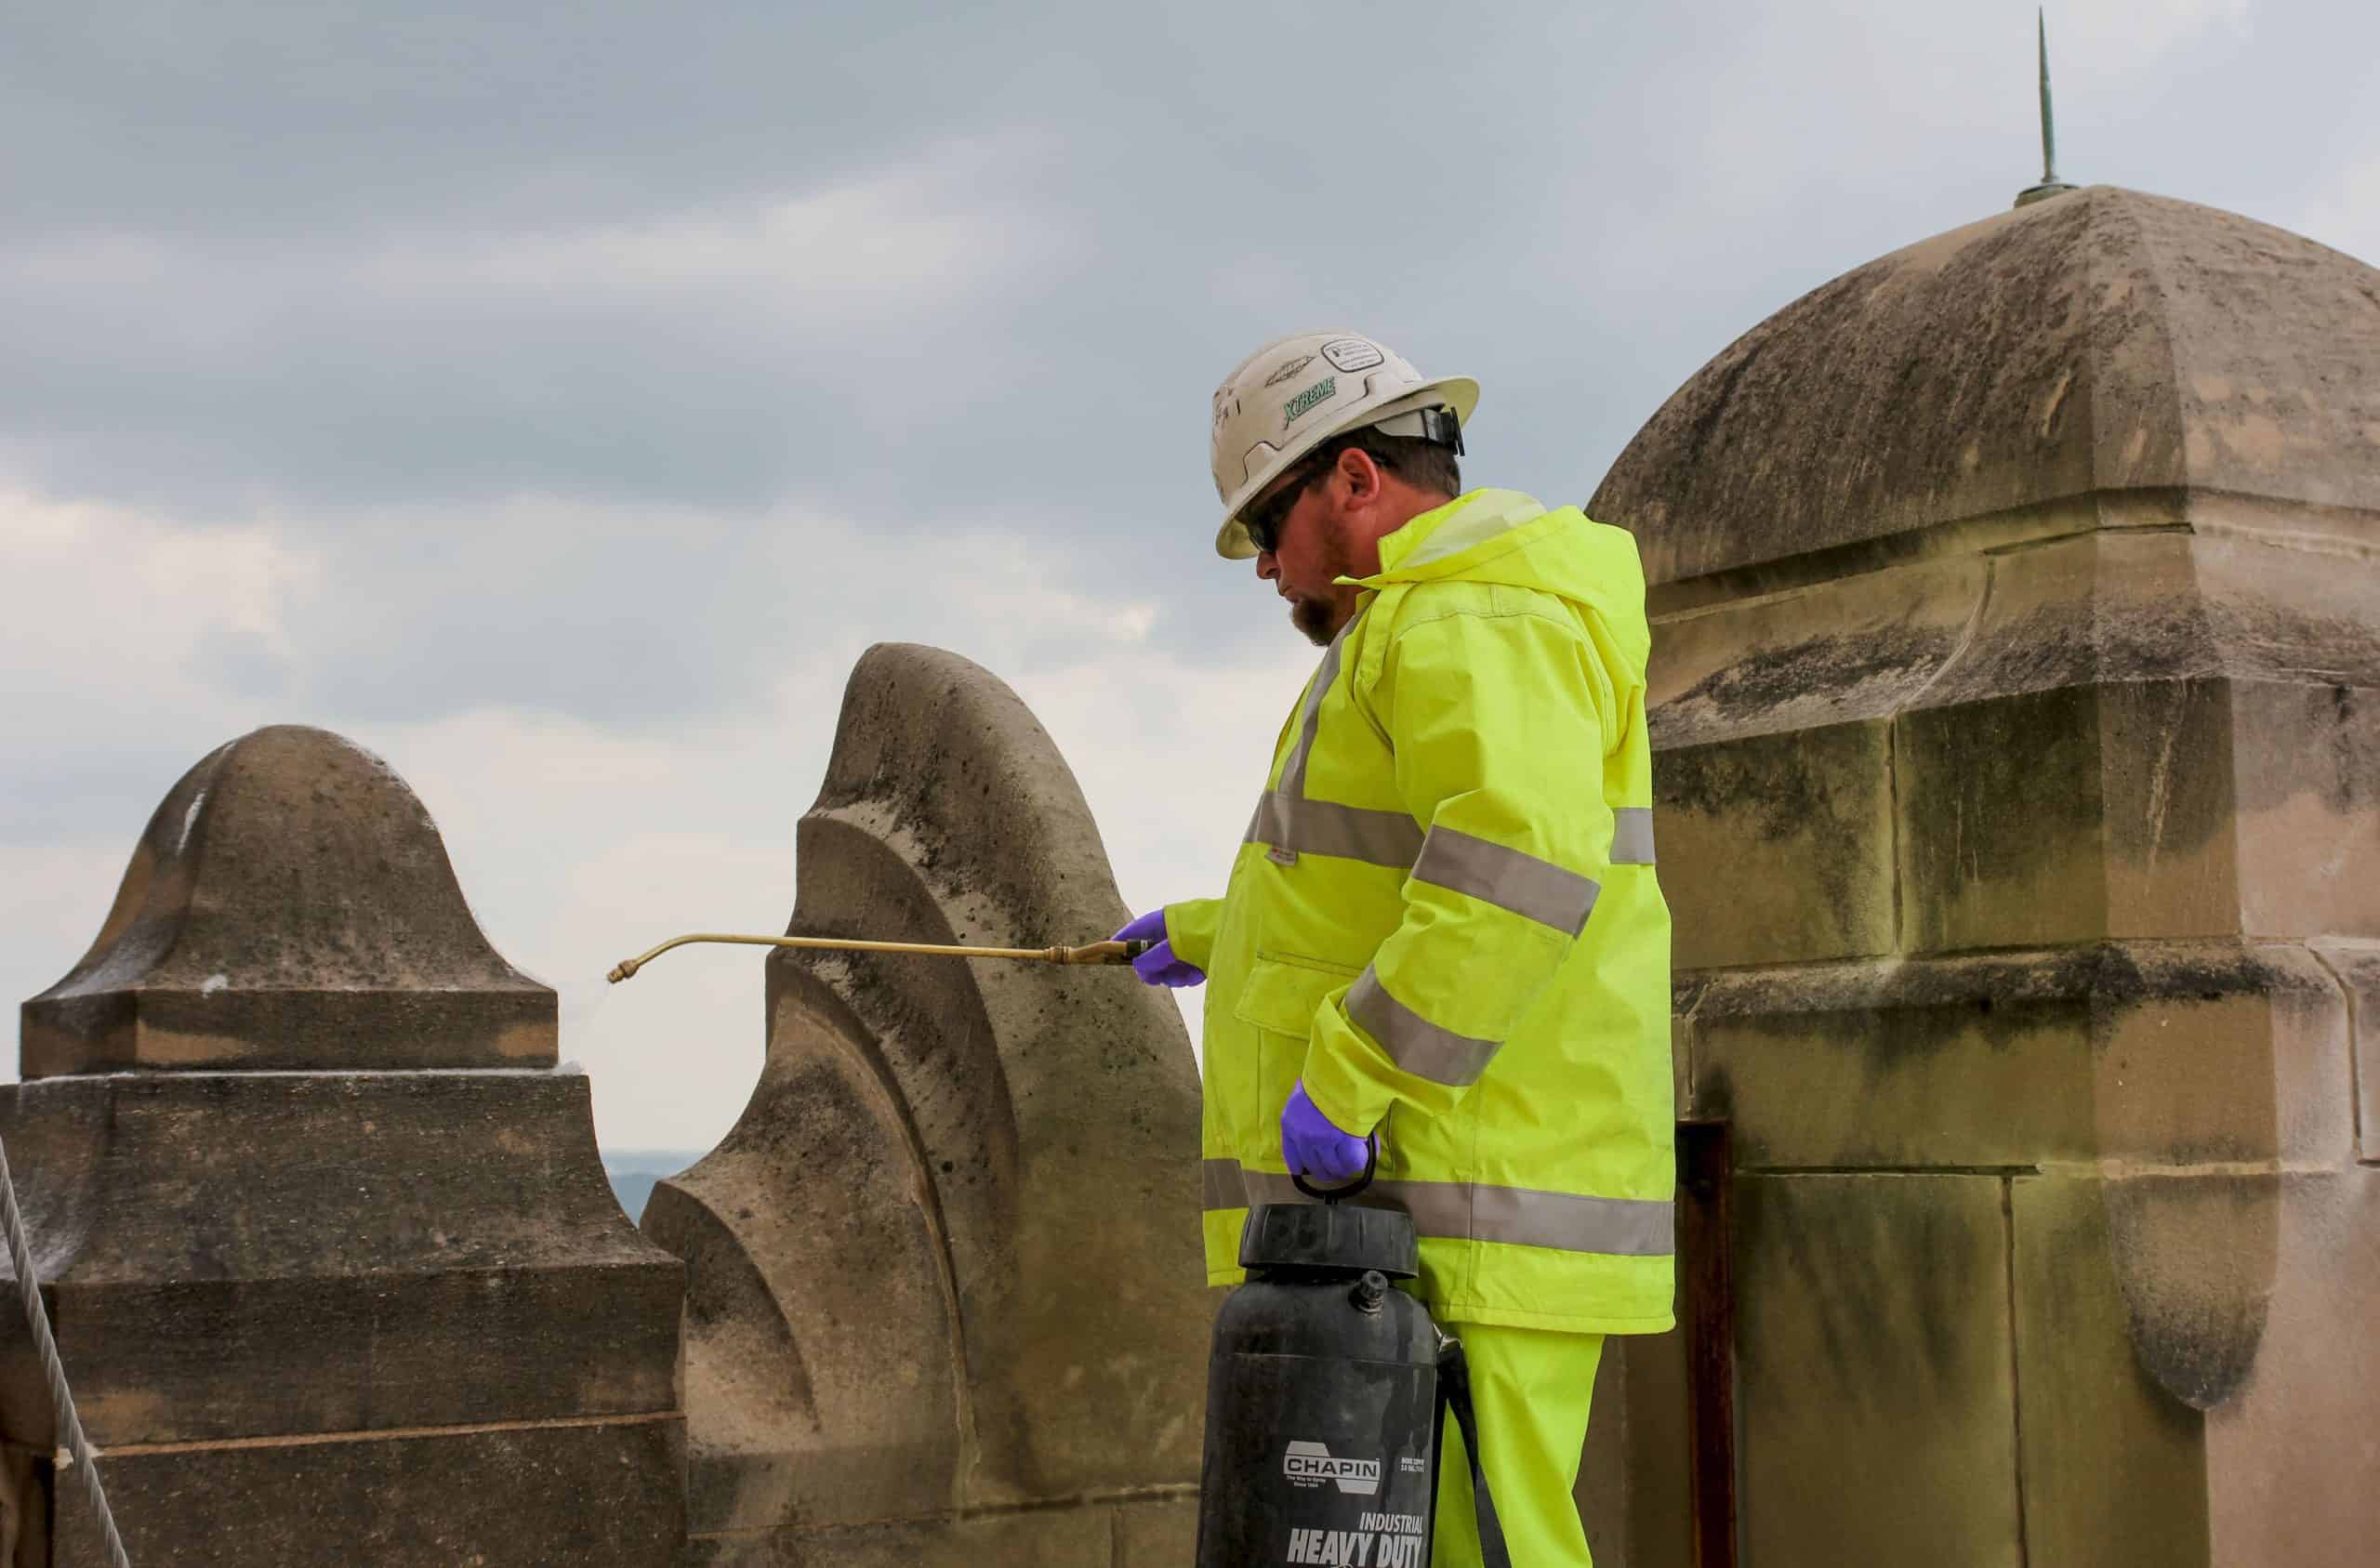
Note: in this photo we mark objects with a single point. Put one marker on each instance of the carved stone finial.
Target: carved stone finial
(944, 1300)
(291, 905)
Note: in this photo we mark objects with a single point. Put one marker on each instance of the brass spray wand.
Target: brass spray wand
(1096, 952)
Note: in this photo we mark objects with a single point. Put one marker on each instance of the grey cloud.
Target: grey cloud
(1580, 206)
(351, 265)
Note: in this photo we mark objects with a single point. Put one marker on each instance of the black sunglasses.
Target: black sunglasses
(1264, 518)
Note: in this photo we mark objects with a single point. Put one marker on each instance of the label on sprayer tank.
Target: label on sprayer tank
(1330, 1463)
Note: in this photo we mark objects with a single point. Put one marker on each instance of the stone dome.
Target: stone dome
(2099, 341)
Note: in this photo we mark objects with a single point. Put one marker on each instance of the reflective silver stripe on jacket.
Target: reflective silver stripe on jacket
(1632, 835)
(1533, 888)
(1477, 1211)
(1325, 827)
(1421, 1047)
(1310, 717)
(1223, 1184)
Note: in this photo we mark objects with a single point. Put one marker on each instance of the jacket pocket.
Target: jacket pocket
(1280, 1001)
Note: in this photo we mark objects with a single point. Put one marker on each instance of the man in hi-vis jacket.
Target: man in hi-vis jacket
(1444, 927)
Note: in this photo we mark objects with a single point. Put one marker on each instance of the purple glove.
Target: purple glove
(1313, 1145)
(1158, 966)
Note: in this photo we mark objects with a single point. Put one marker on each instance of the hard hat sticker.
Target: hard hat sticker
(1304, 402)
(1289, 369)
(1352, 354)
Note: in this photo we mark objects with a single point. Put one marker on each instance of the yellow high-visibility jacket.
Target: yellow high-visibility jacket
(1445, 919)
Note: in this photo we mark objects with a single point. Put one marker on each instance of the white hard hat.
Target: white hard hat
(1297, 392)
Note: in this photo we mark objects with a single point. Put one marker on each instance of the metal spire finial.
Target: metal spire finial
(2051, 185)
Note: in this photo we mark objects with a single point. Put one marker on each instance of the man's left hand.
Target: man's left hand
(1314, 1145)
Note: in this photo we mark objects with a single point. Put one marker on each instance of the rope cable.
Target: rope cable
(78, 1453)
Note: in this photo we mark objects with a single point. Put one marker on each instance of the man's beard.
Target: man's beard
(1314, 617)
(1318, 619)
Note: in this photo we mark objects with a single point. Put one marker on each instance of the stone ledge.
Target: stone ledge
(535, 1494)
(2015, 1060)
(333, 1251)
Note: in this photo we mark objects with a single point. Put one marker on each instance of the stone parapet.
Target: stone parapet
(331, 1259)
(2016, 707)
(945, 1302)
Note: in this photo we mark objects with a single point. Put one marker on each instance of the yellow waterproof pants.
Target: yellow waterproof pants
(1531, 1388)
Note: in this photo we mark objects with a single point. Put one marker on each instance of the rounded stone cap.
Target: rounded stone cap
(2099, 340)
(1345, 1237)
(291, 906)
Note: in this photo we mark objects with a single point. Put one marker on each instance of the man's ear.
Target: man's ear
(1361, 474)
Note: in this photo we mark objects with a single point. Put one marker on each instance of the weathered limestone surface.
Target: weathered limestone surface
(1833, 1304)
(565, 1493)
(290, 906)
(2017, 693)
(361, 1307)
(945, 1299)
(2108, 344)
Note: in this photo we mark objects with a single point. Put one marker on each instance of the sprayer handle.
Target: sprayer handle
(1335, 1195)
(1102, 953)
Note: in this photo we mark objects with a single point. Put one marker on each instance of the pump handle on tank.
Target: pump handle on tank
(1334, 1194)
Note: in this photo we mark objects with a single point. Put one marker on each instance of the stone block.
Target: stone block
(1602, 1490)
(2000, 816)
(2179, 1344)
(2114, 1465)
(2195, 1253)
(1003, 1307)
(291, 905)
(2173, 860)
(1835, 653)
(1962, 1061)
(2136, 1053)
(2071, 777)
(1082, 1536)
(333, 1252)
(2292, 1452)
(1650, 1373)
(2214, 1053)
(1634, 1475)
(2356, 968)
(2308, 765)
(551, 1496)
(1777, 849)
(1877, 1411)
(1157, 1532)
(2068, 816)
(2283, 603)
(2087, 609)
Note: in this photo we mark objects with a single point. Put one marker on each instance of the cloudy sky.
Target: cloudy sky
(556, 399)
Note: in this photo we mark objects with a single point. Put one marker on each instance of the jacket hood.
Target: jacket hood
(1504, 536)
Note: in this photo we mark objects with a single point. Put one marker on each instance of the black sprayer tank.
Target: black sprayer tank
(1322, 1396)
